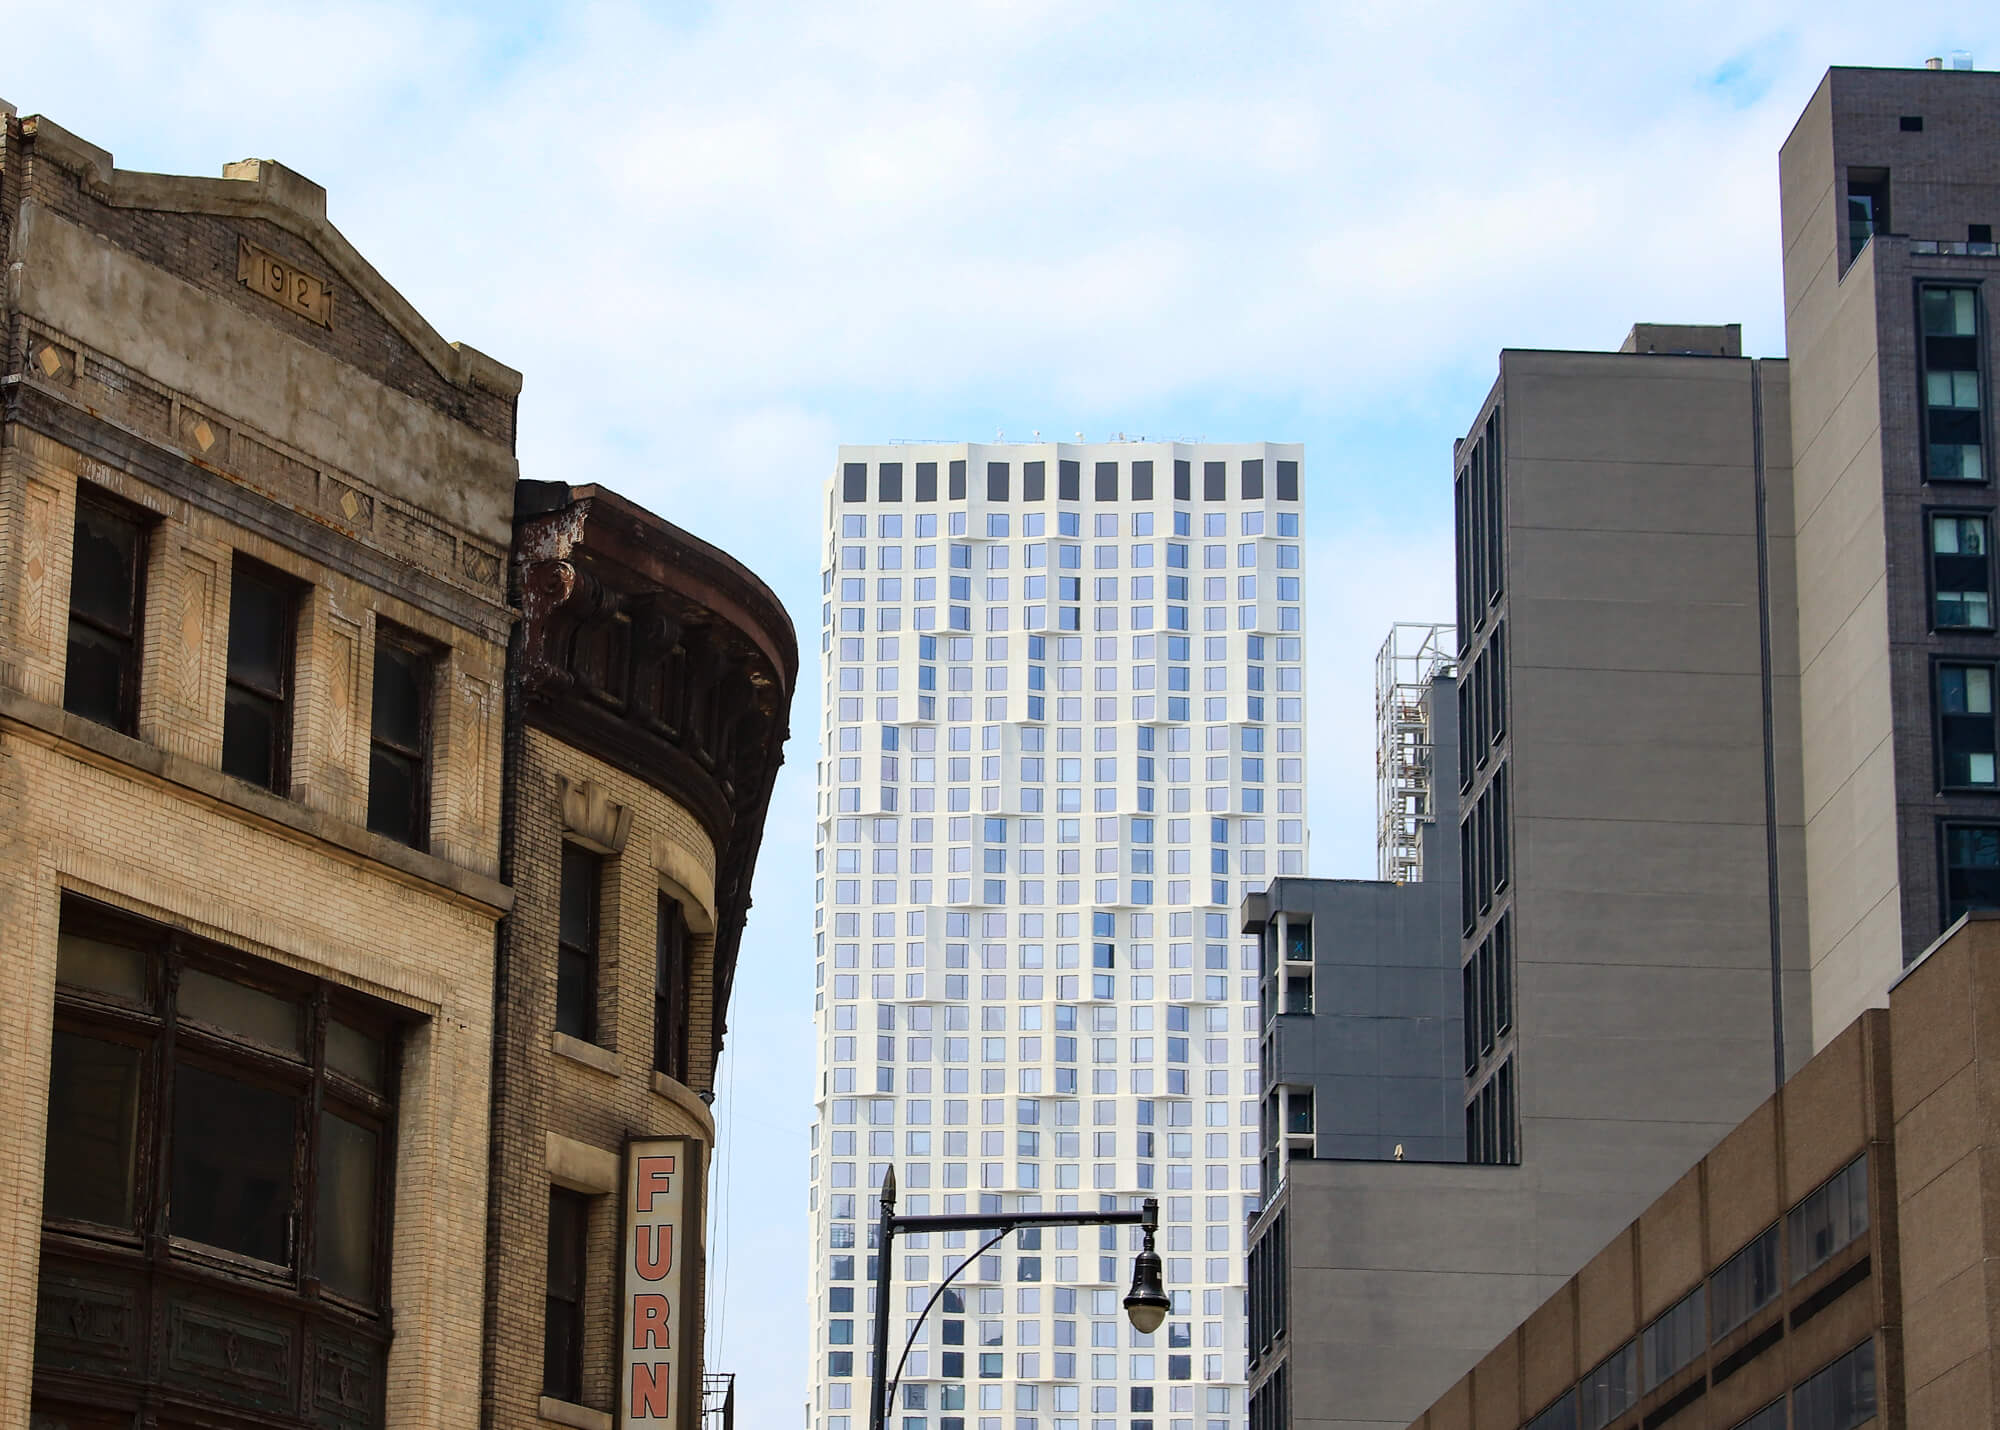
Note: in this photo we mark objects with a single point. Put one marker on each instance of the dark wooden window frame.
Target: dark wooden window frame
(170, 1039)
(576, 960)
(673, 989)
(248, 571)
(414, 648)
(110, 505)
(146, 1258)
(563, 1306)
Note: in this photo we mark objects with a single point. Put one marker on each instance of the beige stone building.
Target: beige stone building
(1827, 1267)
(254, 514)
(303, 1120)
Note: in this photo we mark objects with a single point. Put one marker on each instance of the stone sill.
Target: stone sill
(687, 1100)
(589, 1054)
(107, 748)
(577, 1417)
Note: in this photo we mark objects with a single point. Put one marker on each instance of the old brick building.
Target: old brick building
(654, 675)
(275, 1041)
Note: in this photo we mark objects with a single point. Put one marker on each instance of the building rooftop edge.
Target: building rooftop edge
(265, 189)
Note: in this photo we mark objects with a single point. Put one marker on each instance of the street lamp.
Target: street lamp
(1146, 1304)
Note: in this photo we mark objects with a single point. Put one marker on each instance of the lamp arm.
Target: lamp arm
(903, 1360)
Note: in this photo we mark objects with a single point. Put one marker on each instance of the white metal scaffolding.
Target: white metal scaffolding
(1410, 659)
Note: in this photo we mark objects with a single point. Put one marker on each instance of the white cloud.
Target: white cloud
(720, 239)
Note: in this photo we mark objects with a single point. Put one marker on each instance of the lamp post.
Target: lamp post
(1146, 1304)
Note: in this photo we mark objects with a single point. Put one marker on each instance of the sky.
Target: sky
(719, 240)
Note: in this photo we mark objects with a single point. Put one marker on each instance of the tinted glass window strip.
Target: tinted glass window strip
(1745, 1284)
(1972, 868)
(1610, 1388)
(1495, 510)
(1829, 1218)
(1839, 1397)
(1676, 1338)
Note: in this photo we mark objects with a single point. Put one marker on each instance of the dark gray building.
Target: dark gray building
(1362, 1028)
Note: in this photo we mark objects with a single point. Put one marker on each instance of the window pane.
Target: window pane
(401, 677)
(250, 736)
(573, 993)
(104, 568)
(101, 967)
(232, 1164)
(1746, 1282)
(355, 1054)
(94, 1100)
(392, 795)
(260, 632)
(347, 1190)
(1972, 860)
(579, 896)
(248, 1012)
(94, 681)
(562, 1324)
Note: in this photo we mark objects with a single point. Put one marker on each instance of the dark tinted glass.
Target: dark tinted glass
(1744, 1283)
(1214, 481)
(95, 682)
(93, 1116)
(1253, 481)
(402, 678)
(579, 896)
(392, 794)
(1142, 481)
(250, 736)
(345, 1252)
(891, 484)
(1839, 1397)
(232, 1159)
(573, 1011)
(260, 632)
(562, 1325)
(104, 568)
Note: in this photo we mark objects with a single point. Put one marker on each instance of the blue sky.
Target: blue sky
(720, 239)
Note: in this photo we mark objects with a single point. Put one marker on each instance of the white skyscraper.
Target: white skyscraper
(1062, 736)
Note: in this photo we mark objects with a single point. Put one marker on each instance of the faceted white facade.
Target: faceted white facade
(1062, 736)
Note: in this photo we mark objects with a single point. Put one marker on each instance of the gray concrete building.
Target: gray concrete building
(1631, 892)
(1727, 667)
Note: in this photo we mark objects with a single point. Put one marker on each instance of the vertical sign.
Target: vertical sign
(662, 1226)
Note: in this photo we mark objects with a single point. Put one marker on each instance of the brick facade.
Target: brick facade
(137, 363)
(345, 446)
